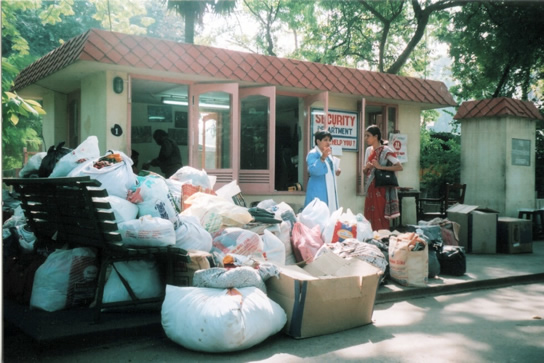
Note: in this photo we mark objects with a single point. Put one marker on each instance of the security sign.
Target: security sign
(342, 125)
(398, 143)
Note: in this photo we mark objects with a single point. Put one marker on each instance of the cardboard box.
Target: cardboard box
(478, 227)
(182, 273)
(328, 295)
(514, 235)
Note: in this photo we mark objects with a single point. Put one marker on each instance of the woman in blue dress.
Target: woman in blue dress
(323, 169)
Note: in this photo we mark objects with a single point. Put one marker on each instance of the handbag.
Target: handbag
(385, 178)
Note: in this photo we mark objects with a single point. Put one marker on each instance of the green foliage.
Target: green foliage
(440, 161)
(21, 125)
(539, 157)
(497, 49)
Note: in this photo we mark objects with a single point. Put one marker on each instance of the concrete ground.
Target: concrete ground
(490, 314)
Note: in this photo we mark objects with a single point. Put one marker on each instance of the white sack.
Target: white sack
(219, 320)
(228, 191)
(152, 196)
(87, 150)
(58, 278)
(122, 209)
(174, 187)
(205, 206)
(141, 275)
(314, 214)
(194, 176)
(234, 240)
(407, 267)
(147, 231)
(273, 248)
(364, 228)
(117, 178)
(32, 165)
(190, 235)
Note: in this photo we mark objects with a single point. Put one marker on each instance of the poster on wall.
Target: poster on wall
(342, 125)
(141, 134)
(159, 113)
(178, 135)
(399, 142)
(180, 120)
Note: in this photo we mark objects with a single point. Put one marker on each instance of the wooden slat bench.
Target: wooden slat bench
(74, 211)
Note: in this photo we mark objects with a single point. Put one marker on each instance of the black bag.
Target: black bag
(385, 178)
(453, 260)
(54, 154)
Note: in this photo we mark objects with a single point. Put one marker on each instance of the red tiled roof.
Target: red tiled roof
(501, 106)
(164, 55)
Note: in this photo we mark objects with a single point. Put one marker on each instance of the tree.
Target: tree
(193, 12)
(497, 50)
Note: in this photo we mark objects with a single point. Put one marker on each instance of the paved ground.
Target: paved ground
(492, 325)
(490, 308)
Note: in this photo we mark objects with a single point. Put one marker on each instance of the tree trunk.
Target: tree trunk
(190, 29)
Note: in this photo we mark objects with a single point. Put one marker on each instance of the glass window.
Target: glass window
(254, 137)
(214, 131)
(289, 143)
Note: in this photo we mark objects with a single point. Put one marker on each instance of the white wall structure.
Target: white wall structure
(498, 154)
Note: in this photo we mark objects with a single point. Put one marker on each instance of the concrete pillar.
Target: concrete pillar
(498, 153)
(102, 109)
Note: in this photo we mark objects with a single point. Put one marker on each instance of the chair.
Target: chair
(453, 194)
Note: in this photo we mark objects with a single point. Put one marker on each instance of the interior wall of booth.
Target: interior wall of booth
(489, 166)
(142, 129)
(101, 109)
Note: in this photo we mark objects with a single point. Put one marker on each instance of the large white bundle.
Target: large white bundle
(274, 248)
(122, 209)
(188, 174)
(58, 277)
(142, 276)
(117, 178)
(205, 205)
(153, 197)
(87, 150)
(219, 320)
(33, 165)
(314, 214)
(190, 235)
(147, 231)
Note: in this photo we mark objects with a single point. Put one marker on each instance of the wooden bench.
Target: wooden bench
(74, 211)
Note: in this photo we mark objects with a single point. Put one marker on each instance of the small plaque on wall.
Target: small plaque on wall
(521, 152)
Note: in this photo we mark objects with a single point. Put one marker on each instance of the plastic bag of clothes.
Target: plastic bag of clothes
(204, 206)
(147, 231)
(113, 170)
(219, 320)
(340, 226)
(190, 235)
(409, 259)
(67, 278)
(87, 150)
(152, 196)
(141, 275)
(30, 169)
(353, 248)
(306, 242)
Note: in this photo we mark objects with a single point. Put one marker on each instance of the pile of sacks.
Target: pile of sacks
(227, 307)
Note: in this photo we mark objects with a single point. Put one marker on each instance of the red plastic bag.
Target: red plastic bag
(306, 242)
